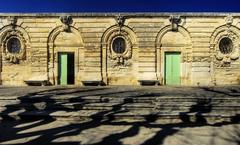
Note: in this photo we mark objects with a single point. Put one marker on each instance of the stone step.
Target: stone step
(75, 106)
(131, 113)
(199, 108)
(119, 105)
(196, 99)
(152, 103)
(123, 100)
(43, 106)
(120, 115)
(129, 106)
(137, 99)
(128, 101)
(60, 99)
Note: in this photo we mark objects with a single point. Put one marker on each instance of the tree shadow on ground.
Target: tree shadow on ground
(232, 91)
(106, 117)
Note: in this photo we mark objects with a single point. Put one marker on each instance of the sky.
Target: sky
(34, 6)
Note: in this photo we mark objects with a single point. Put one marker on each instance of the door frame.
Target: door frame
(162, 64)
(58, 68)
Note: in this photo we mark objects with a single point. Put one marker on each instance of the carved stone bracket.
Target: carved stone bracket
(175, 21)
(12, 20)
(66, 21)
(120, 21)
(229, 21)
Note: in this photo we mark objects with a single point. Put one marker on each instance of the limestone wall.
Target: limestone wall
(148, 37)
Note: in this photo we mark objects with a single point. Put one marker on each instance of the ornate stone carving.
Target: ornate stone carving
(225, 44)
(225, 62)
(187, 57)
(120, 20)
(229, 20)
(232, 55)
(12, 20)
(19, 53)
(201, 59)
(120, 59)
(120, 63)
(67, 21)
(175, 20)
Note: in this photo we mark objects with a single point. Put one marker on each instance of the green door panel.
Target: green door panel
(63, 69)
(176, 69)
(168, 69)
(172, 68)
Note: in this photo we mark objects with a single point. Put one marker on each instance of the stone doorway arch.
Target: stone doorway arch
(61, 41)
(169, 41)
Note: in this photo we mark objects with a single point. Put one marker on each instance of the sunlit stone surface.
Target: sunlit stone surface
(148, 37)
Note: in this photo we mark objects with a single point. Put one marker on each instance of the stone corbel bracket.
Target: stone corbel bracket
(66, 21)
(120, 20)
(12, 20)
(175, 21)
(229, 21)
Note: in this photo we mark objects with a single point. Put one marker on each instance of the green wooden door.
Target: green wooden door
(63, 68)
(172, 68)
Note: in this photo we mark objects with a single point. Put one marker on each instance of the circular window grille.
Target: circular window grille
(14, 45)
(119, 45)
(226, 45)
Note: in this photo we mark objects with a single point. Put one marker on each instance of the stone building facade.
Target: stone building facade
(187, 49)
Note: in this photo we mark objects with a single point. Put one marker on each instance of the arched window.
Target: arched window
(13, 45)
(119, 45)
(226, 45)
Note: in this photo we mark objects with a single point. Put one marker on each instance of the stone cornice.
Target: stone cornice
(128, 14)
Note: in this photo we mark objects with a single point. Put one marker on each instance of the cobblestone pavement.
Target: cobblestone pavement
(105, 132)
